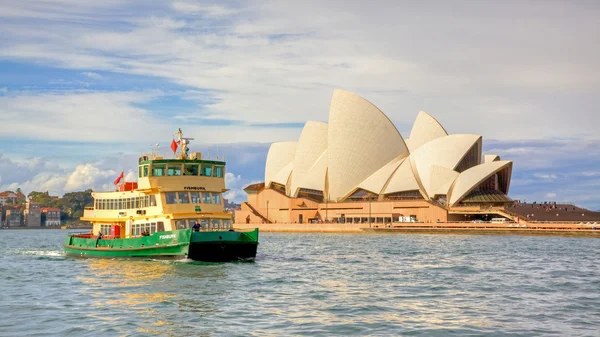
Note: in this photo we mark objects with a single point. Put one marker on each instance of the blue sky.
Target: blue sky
(87, 86)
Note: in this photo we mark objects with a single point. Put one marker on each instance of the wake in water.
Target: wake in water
(54, 253)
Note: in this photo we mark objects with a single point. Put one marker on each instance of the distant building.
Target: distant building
(7, 197)
(52, 216)
(13, 218)
(33, 214)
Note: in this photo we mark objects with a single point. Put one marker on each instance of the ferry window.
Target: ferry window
(195, 196)
(136, 202)
(135, 229)
(153, 228)
(205, 224)
(152, 200)
(180, 224)
(144, 201)
(184, 198)
(216, 198)
(105, 229)
(218, 172)
(191, 222)
(158, 170)
(104, 204)
(170, 198)
(174, 170)
(139, 171)
(128, 203)
(216, 223)
(160, 226)
(206, 198)
(226, 224)
(206, 170)
(120, 205)
(190, 169)
(145, 173)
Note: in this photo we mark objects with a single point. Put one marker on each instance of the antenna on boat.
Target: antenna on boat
(155, 151)
(184, 144)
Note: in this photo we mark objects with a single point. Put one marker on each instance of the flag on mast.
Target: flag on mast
(121, 176)
(174, 146)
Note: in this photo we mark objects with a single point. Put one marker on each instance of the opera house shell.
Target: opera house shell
(359, 155)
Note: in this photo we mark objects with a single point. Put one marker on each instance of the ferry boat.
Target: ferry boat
(174, 210)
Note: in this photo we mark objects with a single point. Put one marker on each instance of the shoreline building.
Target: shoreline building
(52, 216)
(8, 197)
(13, 218)
(33, 214)
(357, 168)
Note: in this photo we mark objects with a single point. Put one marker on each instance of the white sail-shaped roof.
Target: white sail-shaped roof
(361, 139)
(280, 155)
(314, 178)
(377, 180)
(440, 180)
(488, 158)
(446, 152)
(282, 177)
(425, 129)
(311, 147)
(403, 179)
(471, 178)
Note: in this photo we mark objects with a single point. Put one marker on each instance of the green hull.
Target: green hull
(179, 244)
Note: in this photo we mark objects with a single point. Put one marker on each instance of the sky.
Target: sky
(86, 86)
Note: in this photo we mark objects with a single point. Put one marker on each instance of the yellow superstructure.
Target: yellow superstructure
(170, 194)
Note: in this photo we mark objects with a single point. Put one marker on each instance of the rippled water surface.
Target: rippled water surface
(309, 284)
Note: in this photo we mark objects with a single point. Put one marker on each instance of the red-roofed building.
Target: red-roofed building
(52, 216)
(7, 197)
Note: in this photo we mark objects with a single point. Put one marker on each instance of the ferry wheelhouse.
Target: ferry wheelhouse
(175, 209)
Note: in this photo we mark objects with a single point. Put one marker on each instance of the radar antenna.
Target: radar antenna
(184, 144)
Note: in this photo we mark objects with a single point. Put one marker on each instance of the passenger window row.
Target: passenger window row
(125, 203)
(192, 197)
(162, 170)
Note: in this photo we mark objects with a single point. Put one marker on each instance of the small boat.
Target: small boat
(174, 211)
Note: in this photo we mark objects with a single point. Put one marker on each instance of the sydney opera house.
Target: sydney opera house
(358, 168)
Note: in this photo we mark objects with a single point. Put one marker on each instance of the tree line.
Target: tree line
(71, 204)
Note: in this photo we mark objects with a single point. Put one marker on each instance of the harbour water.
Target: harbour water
(309, 285)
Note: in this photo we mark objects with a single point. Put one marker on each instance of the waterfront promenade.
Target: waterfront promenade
(510, 228)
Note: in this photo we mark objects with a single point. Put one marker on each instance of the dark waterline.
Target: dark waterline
(308, 285)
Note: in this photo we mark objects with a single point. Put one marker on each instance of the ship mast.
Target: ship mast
(184, 144)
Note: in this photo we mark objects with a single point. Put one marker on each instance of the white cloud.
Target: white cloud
(545, 176)
(40, 174)
(265, 65)
(92, 75)
(194, 7)
(550, 195)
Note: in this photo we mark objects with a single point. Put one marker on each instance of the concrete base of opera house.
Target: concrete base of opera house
(560, 229)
